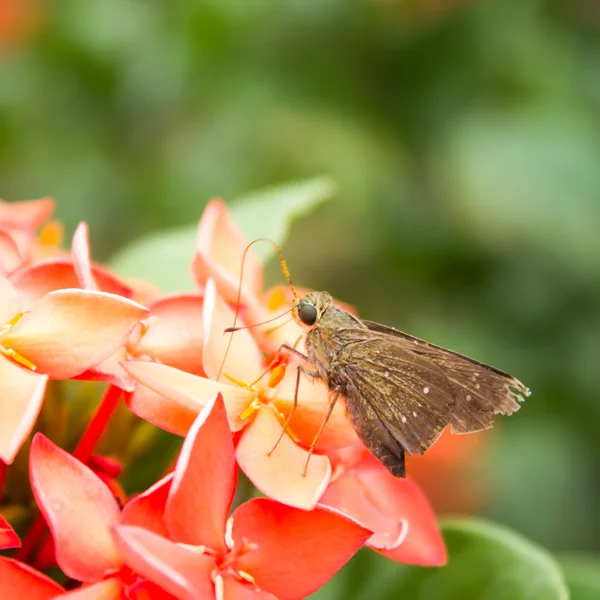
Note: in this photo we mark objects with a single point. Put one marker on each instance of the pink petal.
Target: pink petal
(109, 589)
(147, 510)
(180, 570)
(244, 360)
(69, 331)
(313, 404)
(370, 494)
(176, 336)
(10, 255)
(111, 371)
(8, 538)
(172, 399)
(219, 251)
(204, 482)
(297, 551)
(280, 475)
(146, 590)
(21, 396)
(18, 580)
(80, 253)
(9, 301)
(35, 281)
(27, 215)
(240, 590)
(79, 509)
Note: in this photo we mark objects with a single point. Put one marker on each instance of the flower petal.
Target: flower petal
(146, 590)
(204, 481)
(180, 570)
(21, 396)
(373, 496)
(313, 404)
(35, 281)
(10, 255)
(27, 215)
(80, 253)
(172, 399)
(280, 474)
(9, 301)
(240, 590)
(79, 509)
(109, 589)
(18, 580)
(8, 538)
(219, 249)
(297, 551)
(176, 337)
(244, 360)
(69, 331)
(147, 509)
(111, 371)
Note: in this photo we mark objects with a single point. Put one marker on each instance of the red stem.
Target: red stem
(32, 539)
(98, 424)
(87, 443)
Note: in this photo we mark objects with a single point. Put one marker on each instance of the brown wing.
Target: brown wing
(480, 390)
(391, 392)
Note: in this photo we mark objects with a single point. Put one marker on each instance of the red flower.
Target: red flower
(263, 548)
(18, 580)
(8, 538)
(395, 509)
(81, 512)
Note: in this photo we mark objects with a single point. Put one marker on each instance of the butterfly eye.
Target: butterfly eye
(307, 314)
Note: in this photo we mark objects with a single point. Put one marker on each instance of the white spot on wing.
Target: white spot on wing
(414, 414)
(426, 390)
(404, 419)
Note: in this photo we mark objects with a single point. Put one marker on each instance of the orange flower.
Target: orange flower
(64, 334)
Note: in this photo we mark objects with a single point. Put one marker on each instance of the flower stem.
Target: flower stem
(98, 424)
(32, 539)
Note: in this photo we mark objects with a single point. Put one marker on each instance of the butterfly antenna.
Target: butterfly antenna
(286, 273)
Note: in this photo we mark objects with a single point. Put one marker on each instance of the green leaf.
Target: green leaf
(163, 257)
(583, 576)
(487, 562)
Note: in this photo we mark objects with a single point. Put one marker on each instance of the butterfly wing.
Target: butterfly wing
(395, 398)
(480, 391)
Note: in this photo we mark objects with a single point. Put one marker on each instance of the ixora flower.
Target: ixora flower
(18, 580)
(64, 334)
(263, 550)
(8, 538)
(82, 513)
(171, 333)
(172, 399)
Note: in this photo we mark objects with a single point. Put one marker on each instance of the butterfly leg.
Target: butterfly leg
(337, 393)
(301, 370)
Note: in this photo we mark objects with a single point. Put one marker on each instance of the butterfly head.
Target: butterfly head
(310, 308)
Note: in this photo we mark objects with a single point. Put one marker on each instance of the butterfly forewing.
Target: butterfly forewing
(410, 395)
(480, 391)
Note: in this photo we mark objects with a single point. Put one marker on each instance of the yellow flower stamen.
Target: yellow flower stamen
(51, 234)
(250, 409)
(277, 374)
(276, 300)
(18, 358)
(237, 381)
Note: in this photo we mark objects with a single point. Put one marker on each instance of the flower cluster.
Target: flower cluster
(63, 317)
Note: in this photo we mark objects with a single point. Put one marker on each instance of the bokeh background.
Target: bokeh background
(464, 138)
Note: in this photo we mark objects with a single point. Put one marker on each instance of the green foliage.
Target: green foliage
(267, 213)
(486, 561)
(583, 576)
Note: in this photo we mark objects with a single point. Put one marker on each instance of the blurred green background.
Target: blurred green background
(465, 141)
